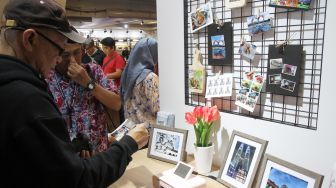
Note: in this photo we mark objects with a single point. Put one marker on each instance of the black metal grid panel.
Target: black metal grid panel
(301, 27)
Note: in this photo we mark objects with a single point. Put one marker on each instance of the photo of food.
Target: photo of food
(287, 85)
(299, 4)
(201, 18)
(274, 79)
(276, 63)
(278, 178)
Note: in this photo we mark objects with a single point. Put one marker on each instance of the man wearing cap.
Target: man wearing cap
(92, 53)
(35, 146)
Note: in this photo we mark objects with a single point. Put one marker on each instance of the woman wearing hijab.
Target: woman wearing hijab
(139, 84)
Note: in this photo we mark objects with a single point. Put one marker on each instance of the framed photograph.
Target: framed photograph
(275, 172)
(220, 44)
(296, 4)
(241, 160)
(201, 18)
(167, 144)
(234, 3)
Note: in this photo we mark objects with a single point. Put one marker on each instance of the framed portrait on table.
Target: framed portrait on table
(275, 172)
(167, 144)
(241, 160)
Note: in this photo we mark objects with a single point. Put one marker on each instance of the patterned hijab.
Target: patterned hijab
(141, 62)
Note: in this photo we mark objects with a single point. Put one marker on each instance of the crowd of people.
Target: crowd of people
(55, 90)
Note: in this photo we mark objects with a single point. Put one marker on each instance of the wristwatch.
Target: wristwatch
(91, 85)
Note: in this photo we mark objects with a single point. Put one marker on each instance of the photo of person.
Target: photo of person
(289, 69)
(241, 161)
(287, 85)
(247, 50)
(274, 79)
(167, 144)
(276, 63)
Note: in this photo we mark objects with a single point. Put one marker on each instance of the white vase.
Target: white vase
(203, 158)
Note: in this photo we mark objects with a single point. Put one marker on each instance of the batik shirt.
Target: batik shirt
(144, 103)
(80, 109)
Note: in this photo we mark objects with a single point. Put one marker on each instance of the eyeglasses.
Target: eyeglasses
(60, 49)
(67, 55)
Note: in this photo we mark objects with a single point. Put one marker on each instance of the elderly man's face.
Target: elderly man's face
(72, 54)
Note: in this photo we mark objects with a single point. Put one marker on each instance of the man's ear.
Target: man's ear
(28, 39)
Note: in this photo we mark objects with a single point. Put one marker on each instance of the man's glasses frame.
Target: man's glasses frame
(60, 49)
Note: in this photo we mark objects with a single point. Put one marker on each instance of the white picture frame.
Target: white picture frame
(234, 3)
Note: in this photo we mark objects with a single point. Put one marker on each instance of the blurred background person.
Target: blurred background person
(139, 84)
(92, 53)
(125, 53)
(113, 63)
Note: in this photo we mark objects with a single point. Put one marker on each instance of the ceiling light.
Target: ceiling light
(126, 26)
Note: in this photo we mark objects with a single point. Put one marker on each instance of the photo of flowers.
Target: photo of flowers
(201, 17)
(241, 160)
(167, 144)
(279, 173)
(298, 4)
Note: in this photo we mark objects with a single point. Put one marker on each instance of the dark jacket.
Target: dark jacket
(98, 57)
(35, 149)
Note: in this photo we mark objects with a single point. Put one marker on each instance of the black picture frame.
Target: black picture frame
(226, 31)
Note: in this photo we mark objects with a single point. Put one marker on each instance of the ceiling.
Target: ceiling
(112, 14)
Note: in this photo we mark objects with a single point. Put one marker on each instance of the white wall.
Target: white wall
(313, 150)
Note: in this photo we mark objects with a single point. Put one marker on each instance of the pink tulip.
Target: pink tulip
(198, 112)
(190, 118)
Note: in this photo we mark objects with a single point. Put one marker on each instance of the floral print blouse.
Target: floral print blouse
(80, 109)
(144, 102)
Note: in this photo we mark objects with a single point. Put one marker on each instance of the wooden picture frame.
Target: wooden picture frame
(273, 169)
(167, 144)
(241, 160)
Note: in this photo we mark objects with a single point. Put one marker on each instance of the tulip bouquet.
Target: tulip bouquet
(202, 118)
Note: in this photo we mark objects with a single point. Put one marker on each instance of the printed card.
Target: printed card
(219, 86)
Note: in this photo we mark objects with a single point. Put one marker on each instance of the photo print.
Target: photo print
(241, 160)
(276, 63)
(249, 92)
(298, 4)
(201, 17)
(234, 3)
(167, 144)
(220, 44)
(247, 50)
(259, 23)
(123, 129)
(287, 85)
(219, 85)
(289, 69)
(274, 79)
(275, 172)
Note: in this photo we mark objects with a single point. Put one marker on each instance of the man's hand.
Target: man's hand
(78, 74)
(140, 134)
